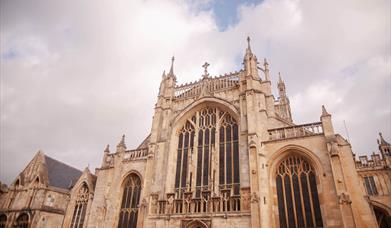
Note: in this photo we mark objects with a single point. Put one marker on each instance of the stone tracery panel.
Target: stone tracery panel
(297, 194)
(79, 212)
(208, 156)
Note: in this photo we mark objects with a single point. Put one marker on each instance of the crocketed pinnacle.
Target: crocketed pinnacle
(107, 149)
(122, 142)
(280, 81)
(171, 73)
(324, 111)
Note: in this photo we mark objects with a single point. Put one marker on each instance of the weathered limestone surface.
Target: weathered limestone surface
(350, 193)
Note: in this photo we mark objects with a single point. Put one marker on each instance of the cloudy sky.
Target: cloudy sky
(76, 75)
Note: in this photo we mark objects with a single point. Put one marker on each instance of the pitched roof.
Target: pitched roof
(61, 175)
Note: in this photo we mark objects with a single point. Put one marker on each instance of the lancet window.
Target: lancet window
(130, 202)
(209, 139)
(22, 221)
(298, 201)
(370, 185)
(79, 212)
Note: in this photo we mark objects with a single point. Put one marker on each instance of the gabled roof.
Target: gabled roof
(48, 171)
(145, 142)
(61, 175)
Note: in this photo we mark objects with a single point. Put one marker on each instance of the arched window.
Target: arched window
(383, 219)
(79, 212)
(130, 202)
(298, 202)
(22, 221)
(210, 139)
(3, 220)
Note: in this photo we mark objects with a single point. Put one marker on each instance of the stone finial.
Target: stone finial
(280, 78)
(122, 142)
(164, 74)
(248, 43)
(205, 66)
(324, 111)
(107, 149)
(265, 64)
(172, 66)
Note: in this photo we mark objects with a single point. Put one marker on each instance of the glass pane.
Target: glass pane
(289, 204)
(299, 209)
(315, 199)
(280, 198)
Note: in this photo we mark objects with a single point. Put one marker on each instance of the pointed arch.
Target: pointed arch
(79, 212)
(130, 201)
(294, 173)
(196, 224)
(181, 117)
(207, 132)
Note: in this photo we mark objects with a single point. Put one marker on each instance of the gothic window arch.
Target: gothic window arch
(209, 138)
(130, 202)
(22, 221)
(80, 209)
(3, 220)
(297, 194)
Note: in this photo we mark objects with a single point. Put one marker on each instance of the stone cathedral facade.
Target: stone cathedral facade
(222, 152)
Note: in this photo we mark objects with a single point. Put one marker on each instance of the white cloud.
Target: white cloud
(70, 70)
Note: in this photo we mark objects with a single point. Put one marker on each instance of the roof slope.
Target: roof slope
(61, 175)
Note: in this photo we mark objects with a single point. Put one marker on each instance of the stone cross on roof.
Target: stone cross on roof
(205, 66)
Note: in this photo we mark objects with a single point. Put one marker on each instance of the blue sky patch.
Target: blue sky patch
(226, 12)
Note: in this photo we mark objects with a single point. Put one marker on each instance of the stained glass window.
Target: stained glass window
(297, 194)
(370, 185)
(130, 202)
(79, 212)
(210, 139)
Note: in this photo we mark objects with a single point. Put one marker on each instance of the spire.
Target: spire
(324, 111)
(164, 74)
(265, 64)
(172, 66)
(122, 142)
(280, 81)
(266, 69)
(248, 44)
(107, 149)
(250, 62)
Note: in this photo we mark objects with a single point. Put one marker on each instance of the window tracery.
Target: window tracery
(297, 194)
(79, 212)
(130, 202)
(209, 138)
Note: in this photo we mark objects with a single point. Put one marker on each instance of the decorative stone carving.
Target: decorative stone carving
(344, 198)
(170, 204)
(245, 198)
(254, 197)
(154, 203)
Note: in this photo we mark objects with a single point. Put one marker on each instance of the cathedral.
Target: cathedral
(223, 151)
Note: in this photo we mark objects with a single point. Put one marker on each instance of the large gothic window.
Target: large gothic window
(298, 202)
(22, 221)
(79, 212)
(130, 202)
(210, 140)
